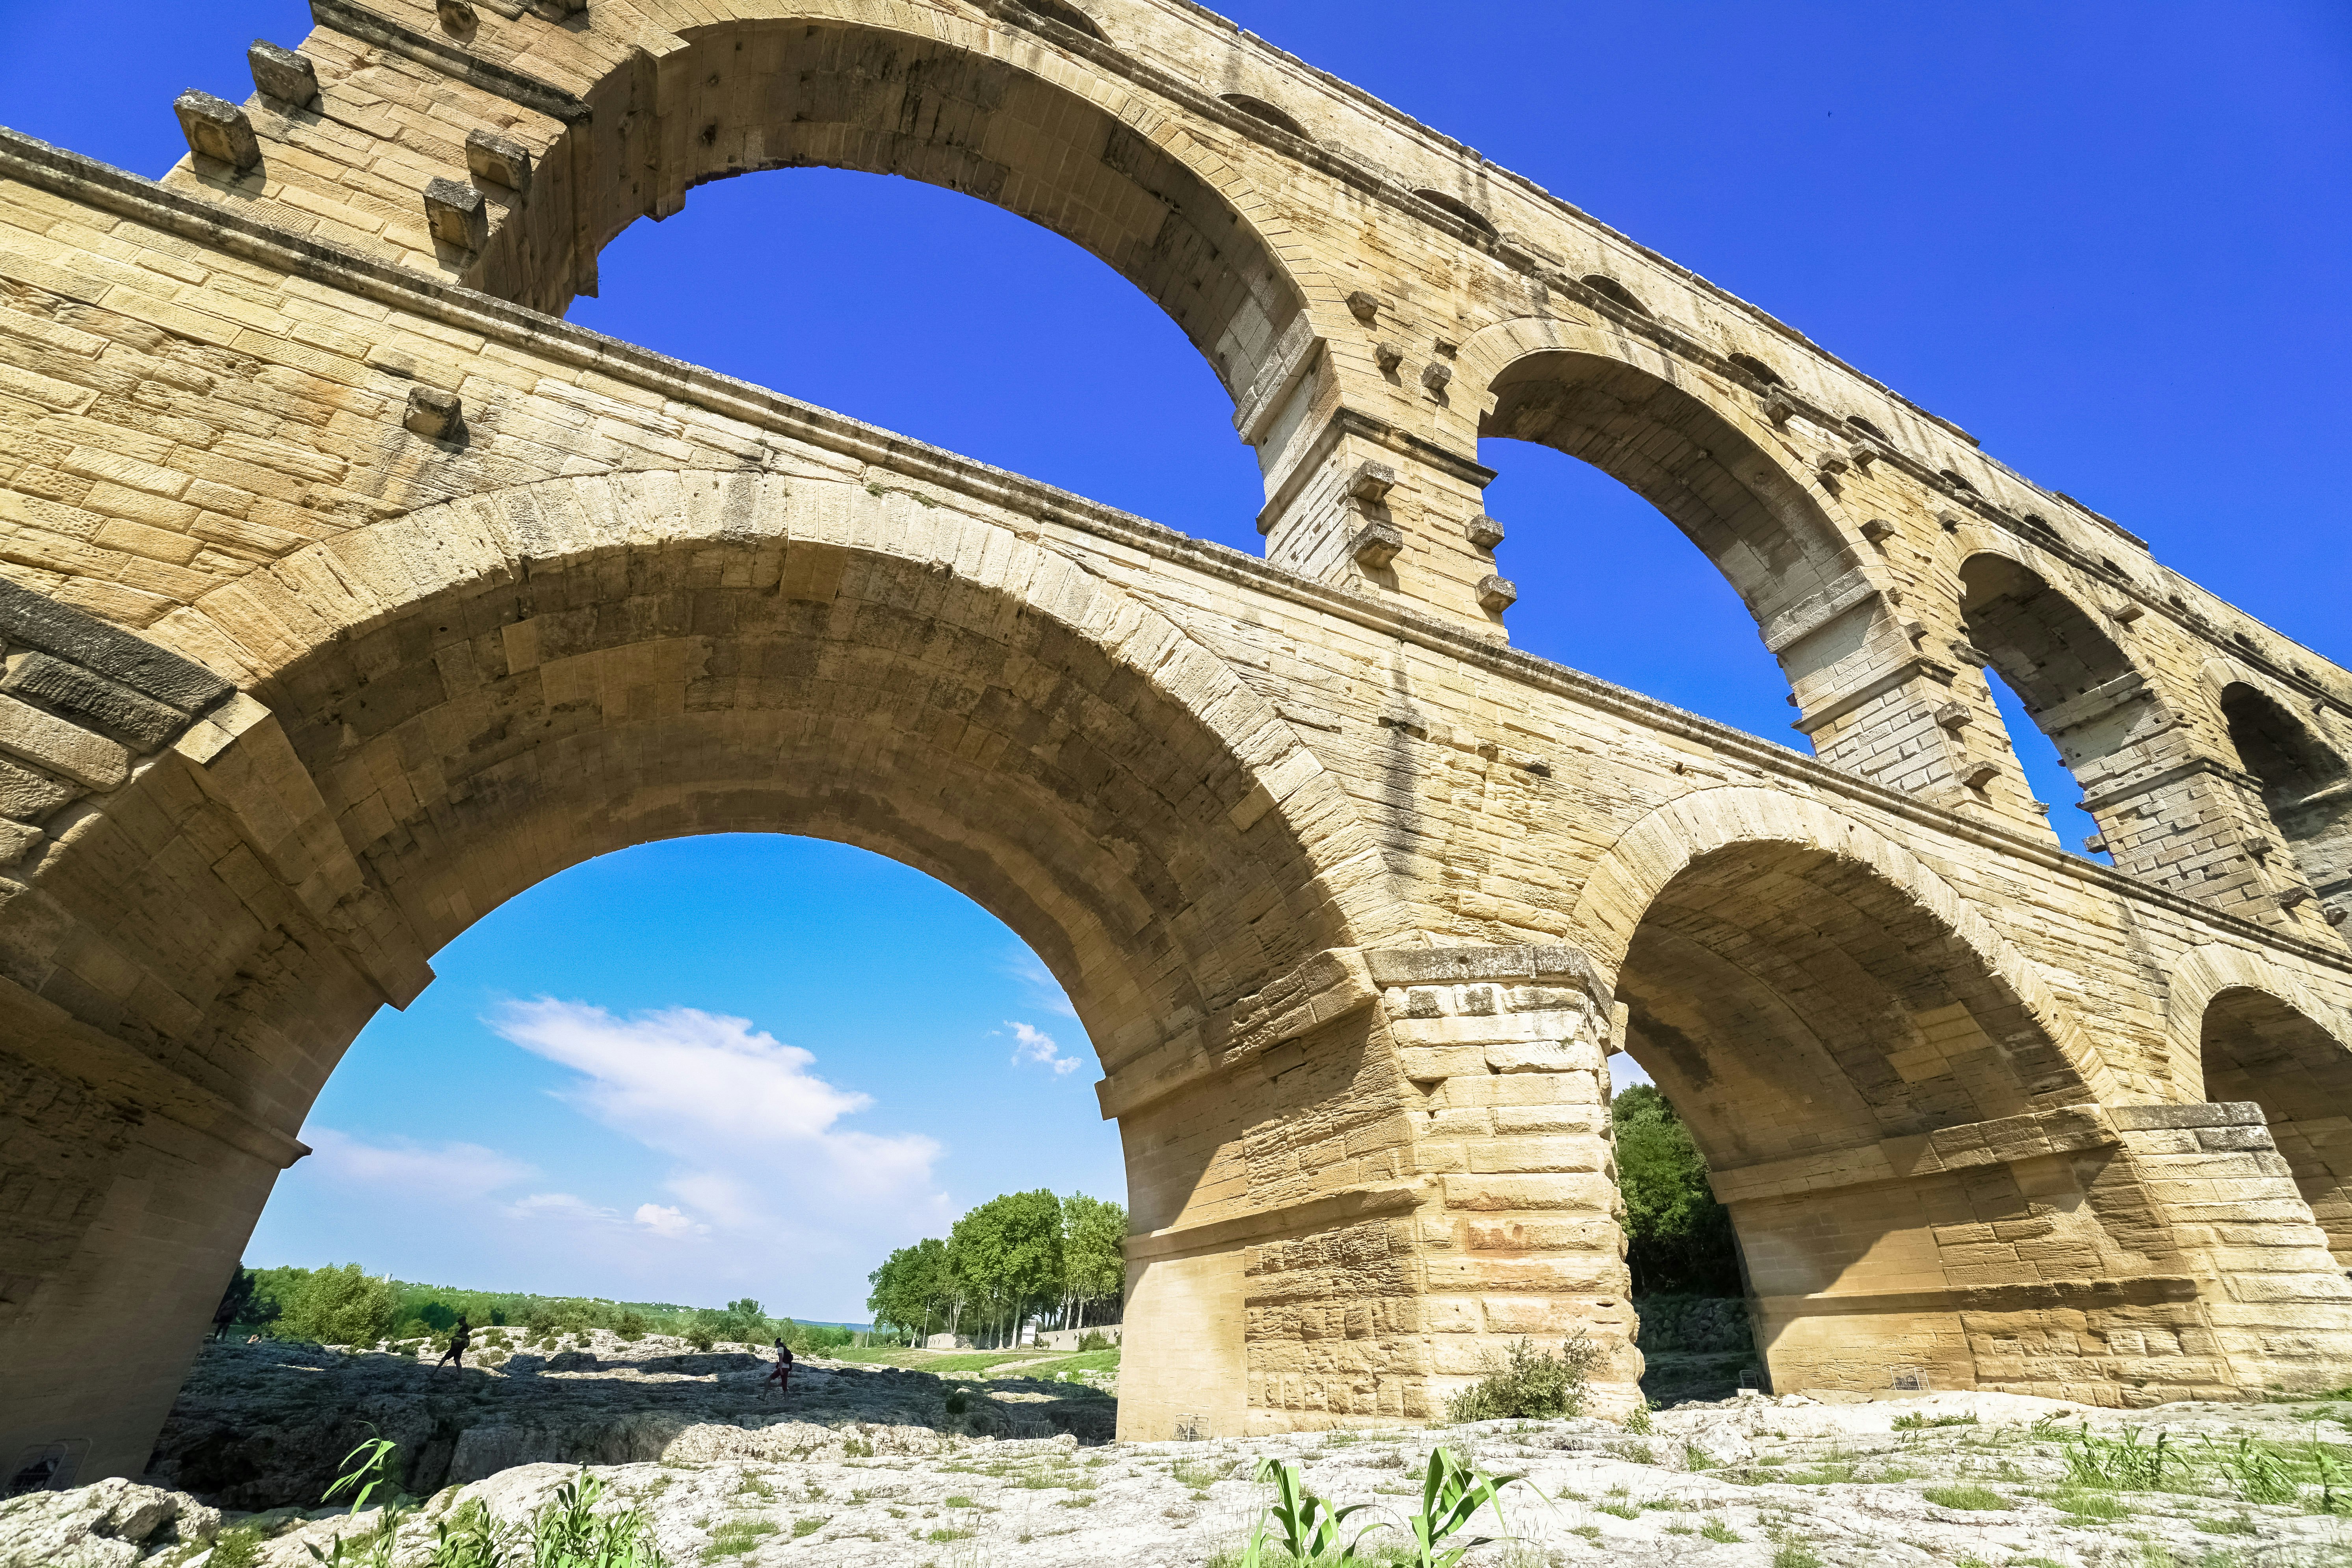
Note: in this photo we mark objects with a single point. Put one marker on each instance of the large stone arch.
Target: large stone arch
(2244, 1030)
(884, 87)
(444, 708)
(1905, 1128)
(1739, 490)
(1627, 880)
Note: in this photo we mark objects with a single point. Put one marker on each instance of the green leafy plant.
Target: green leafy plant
(1452, 1494)
(2260, 1476)
(470, 1538)
(1530, 1385)
(2124, 1464)
(1916, 1422)
(367, 1470)
(567, 1532)
(1968, 1495)
(1309, 1525)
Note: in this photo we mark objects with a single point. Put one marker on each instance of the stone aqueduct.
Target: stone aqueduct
(350, 592)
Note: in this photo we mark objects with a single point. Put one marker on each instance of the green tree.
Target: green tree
(1678, 1238)
(338, 1307)
(1009, 1250)
(1094, 1255)
(912, 1289)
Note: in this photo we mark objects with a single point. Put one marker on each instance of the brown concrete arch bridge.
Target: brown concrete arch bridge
(349, 592)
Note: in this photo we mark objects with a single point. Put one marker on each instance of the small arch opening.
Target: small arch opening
(2051, 669)
(1956, 480)
(1260, 110)
(1069, 15)
(1461, 209)
(2307, 788)
(1608, 287)
(1758, 368)
(1865, 426)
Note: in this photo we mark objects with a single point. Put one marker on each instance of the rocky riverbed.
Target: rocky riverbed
(865, 1468)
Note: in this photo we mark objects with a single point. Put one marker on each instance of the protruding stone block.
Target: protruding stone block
(1371, 481)
(1388, 356)
(51, 743)
(435, 415)
(1483, 531)
(498, 161)
(455, 214)
(141, 722)
(1436, 375)
(1363, 307)
(1978, 773)
(282, 75)
(218, 130)
(1952, 715)
(1498, 594)
(1377, 545)
(1877, 530)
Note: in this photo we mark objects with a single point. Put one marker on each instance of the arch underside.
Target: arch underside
(1818, 1029)
(745, 96)
(2255, 1048)
(485, 740)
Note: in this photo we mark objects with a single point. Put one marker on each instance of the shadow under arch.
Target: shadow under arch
(1876, 1080)
(893, 89)
(2306, 787)
(1771, 530)
(2251, 1044)
(497, 687)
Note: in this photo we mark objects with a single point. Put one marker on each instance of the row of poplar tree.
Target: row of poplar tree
(1016, 1259)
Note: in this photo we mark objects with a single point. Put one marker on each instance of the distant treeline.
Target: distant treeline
(1022, 1256)
(346, 1306)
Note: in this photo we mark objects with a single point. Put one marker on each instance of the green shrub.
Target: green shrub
(1530, 1385)
(1093, 1340)
(700, 1337)
(337, 1307)
(633, 1326)
(958, 1402)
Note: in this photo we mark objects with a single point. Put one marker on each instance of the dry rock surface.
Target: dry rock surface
(869, 1466)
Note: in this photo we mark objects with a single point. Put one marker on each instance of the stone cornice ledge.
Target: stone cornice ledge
(38, 163)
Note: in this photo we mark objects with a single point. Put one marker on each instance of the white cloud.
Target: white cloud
(1031, 1044)
(665, 1220)
(1045, 993)
(561, 1206)
(755, 1133)
(444, 1172)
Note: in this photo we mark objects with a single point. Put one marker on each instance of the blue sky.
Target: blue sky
(2109, 239)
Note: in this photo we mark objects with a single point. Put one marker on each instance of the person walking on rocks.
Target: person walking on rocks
(781, 1376)
(459, 1338)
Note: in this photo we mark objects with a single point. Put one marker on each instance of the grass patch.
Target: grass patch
(1918, 1423)
(2090, 1505)
(737, 1537)
(1716, 1530)
(807, 1527)
(1967, 1496)
(2241, 1525)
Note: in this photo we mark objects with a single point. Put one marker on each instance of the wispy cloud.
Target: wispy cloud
(756, 1133)
(1045, 993)
(444, 1171)
(1031, 1044)
(569, 1206)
